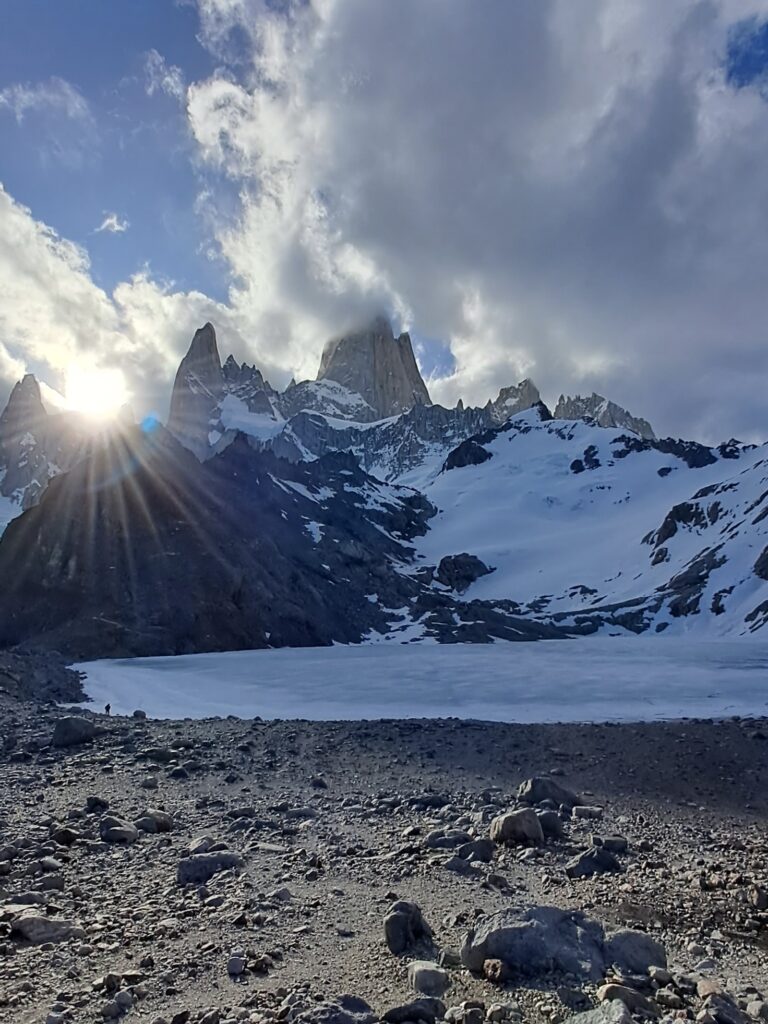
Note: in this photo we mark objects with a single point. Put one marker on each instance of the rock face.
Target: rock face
(197, 391)
(604, 412)
(514, 399)
(378, 366)
(34, 446)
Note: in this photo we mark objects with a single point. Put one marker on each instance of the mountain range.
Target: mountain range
(353, 509)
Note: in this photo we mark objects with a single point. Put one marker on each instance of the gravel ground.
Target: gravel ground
(336, 821)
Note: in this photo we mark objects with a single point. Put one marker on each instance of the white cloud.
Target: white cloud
(53, 316)
(113, 224)
(55, 94)
(576, 198)
(162, 77)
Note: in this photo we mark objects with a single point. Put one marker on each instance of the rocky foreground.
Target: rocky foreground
(342, 873)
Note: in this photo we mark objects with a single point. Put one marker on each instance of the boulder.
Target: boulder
(551, 824)
(428, 978)
(539, 939)
(201, 867)
(541, 787)
(38, 929)
(404, 926)
(634, 951)
(536, 940)
(477, 849)
(115, 830)
(633, 1000)
(344, 1010)
(611, 1012)
(446, 839)
(72, 730)
(427, 1009)
(595, 861)
(153, 820)
(517, 827)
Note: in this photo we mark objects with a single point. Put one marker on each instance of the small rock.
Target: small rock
(427, 978)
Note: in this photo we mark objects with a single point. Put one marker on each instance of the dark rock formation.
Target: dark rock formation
(603, 412)
(460, 571)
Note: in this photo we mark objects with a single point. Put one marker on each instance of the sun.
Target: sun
(96, 393)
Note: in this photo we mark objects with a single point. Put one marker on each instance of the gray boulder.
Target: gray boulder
(541, 787)
(595, 861)
(37, 929)
(201, 867)
(634, 951)
(115, 830)
(404, 926)
(153, 820)
(517, 827)
(428, 978)
(72, 730)
(611, 1012)
(551, 824)
(537, 940)
(477, 849)
(344, 1010)
(533, 940)
(427, 1009)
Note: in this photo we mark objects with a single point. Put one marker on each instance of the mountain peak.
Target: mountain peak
(376, 365)
(604, 412)
(198, 386)
(513, 399)
(203, 349)
(24, 411)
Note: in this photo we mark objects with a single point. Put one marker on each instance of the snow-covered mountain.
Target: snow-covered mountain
(589, 527)
(242, 524)
(369, 399)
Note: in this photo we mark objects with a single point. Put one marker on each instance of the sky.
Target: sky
(570, 190)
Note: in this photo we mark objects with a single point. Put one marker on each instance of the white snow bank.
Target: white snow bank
(607, 679)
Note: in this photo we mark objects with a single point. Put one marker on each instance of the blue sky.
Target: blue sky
(532, 193)
(132, 156)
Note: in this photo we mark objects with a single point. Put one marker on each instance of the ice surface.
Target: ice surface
(598, 679)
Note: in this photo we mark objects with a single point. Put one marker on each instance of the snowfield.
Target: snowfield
(595, 680)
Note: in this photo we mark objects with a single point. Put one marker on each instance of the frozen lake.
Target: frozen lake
(590, 680)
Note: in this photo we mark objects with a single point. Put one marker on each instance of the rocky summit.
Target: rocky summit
(378, 366)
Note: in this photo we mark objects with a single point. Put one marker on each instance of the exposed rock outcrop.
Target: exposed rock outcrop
(34, 444)
(604, 413)
(378, 366)
(514, 399)
(197, 391)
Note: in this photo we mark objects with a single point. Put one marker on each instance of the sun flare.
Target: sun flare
(96, 393)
